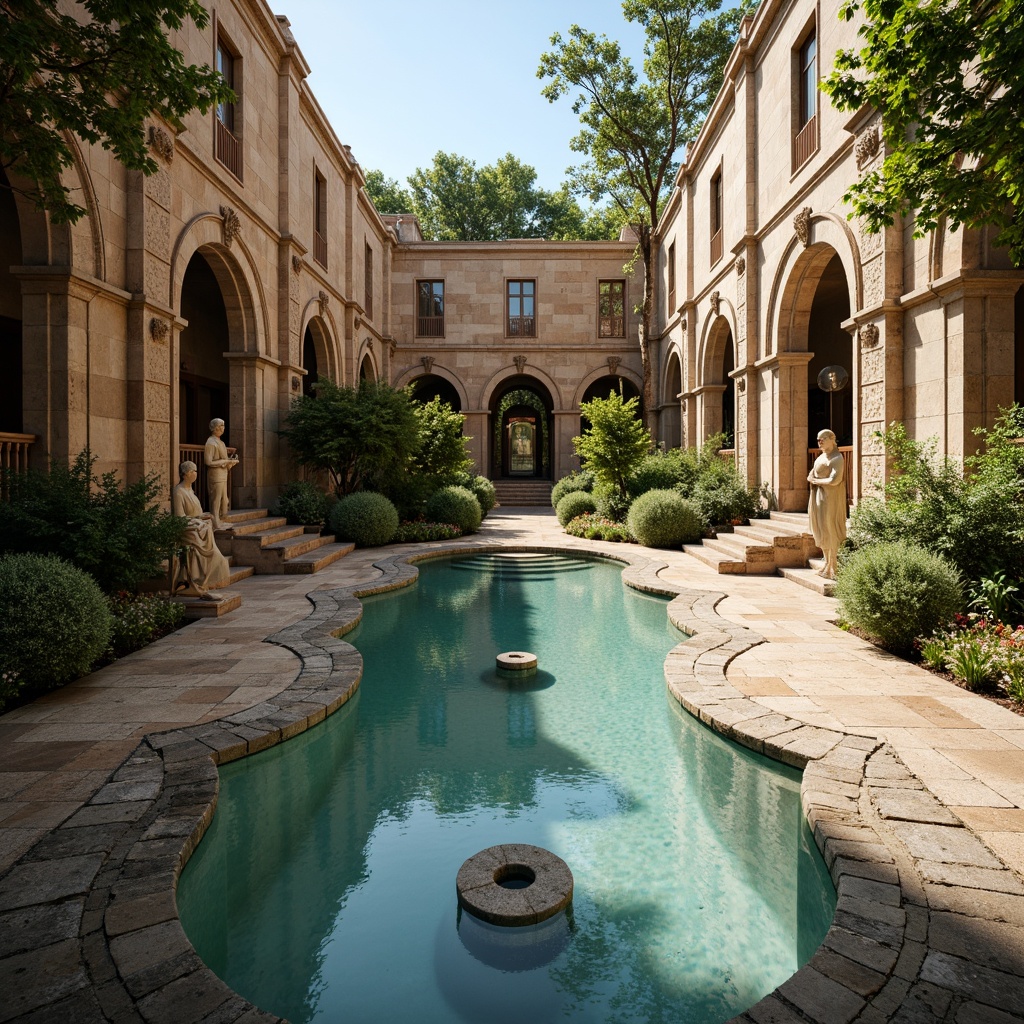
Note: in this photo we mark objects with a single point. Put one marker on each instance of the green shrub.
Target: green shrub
(595, 527)
(574, 504)
(660, 471)
(581, 481)
(367, 518)
(54, 623)
(455, 505)
(485, 493)
(616, 442)
(897, 591)
(420, 531)
(118, 534)
(137, 620)
(724, 498)
(303, 503)
(611, 503)
(664, 519)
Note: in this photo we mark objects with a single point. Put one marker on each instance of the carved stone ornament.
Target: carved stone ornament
(159, 328)
(324, 299)
(161, 143)
(520, 362)
(369, 344)
(428, 363)
(296, 263)
(392, 346)
(802, 225)
(295, 383)
(232, 225)
(716, 302)
(741, 265)
(741, 384)
(866, 146)
(613, 364)
(682, 324)
(868, 335)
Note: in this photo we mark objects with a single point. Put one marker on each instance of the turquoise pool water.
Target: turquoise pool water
(325, 887)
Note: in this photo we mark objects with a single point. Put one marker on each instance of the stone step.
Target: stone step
(318, 558)
(759, 558)
(720, 562)
(246, 527)
(809, 578)
(245, 515)
(197, 608)
(523, 492)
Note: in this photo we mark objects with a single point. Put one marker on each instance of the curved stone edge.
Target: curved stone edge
(93, 902)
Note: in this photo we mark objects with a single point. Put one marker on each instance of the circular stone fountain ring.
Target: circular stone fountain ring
(517, 661)
(514, 884)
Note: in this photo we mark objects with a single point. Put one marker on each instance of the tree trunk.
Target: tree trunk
(646, 312)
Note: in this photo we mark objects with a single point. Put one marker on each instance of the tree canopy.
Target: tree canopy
(616, 442)
(457, 201)
(634, 125)
(948, 79)
(98, 78)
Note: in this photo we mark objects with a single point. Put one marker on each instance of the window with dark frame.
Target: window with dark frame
(430, 309)
(319, 218)
(368, 281)
(805, 141)
(611, 309)
(672, 278)
(519, 307)
(716, 217)
(228, 145)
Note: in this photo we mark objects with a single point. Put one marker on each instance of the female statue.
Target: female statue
(204, 564)
(218, 465)
(827, 506)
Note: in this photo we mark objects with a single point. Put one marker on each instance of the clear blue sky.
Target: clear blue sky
(401, 79)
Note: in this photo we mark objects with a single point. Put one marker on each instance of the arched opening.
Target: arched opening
(11, 407)
(1018, 347)
(366, 369)
(717, 391)
(832, 346)
(521, 427)
(431, 386)
(609, 385)
(204, 388)
(671, 414)
(309, 362)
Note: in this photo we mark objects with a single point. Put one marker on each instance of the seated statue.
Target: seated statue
(204, 565)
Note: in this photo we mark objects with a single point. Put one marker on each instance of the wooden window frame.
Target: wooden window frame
(430, 326)
(610, 324)
(368, 280)
(523, 325)
(319, 217)
(716, 206)
(227, 121)
(672, 278)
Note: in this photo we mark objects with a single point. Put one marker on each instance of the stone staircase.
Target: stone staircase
(267, 545)
(765, 547)
(523, 493)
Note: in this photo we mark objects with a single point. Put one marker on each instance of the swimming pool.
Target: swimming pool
(325, 888)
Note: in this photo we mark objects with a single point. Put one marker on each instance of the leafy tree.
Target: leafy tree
(442, 449)
(616, 442)
(633, 127)
(947, 77)
(100, 78)
(118, 534)
(387, 194)
(363, 436)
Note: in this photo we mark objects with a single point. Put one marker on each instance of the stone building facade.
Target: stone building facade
(764, 281)
(253, 261)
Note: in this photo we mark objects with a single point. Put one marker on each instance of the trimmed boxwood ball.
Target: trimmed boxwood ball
(664, 519)
(54, 621)
(365, 517)
(581, 481)
(485, 493)
(574, 504)
(897, 591)
(455, 505)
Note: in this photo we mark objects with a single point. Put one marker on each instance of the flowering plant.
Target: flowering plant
(594, 526)
(979, 652)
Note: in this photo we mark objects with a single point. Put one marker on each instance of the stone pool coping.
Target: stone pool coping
(101, 885)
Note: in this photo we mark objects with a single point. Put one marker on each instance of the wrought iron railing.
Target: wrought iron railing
(806, 142)
(197, 453)
(716, 246)
(320, 249)
(430, 326)
(229, 148)
(522, 327)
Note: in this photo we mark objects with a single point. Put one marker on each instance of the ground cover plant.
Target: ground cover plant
(420, 531)
(593, 526)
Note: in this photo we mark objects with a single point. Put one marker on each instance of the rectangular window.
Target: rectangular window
(805, 141)
(716, 217)
(611, 309)
(368, 281)
(430, 309)
(519, 307)
(228, 145)
(672, 278)
(319, 218)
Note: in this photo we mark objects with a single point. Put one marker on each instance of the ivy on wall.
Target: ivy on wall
(522, 397)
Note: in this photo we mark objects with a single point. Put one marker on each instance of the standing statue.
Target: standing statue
(218, 465)
(204, 565)
(827, 506)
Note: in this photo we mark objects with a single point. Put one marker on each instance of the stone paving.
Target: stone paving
(914, 789)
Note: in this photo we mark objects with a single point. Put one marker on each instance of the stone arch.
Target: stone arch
(716, 390)
(418, 372)
(321, 357)
(604, 371)
(521, 427)
(500, 379)
(671, 426)
(367, 362)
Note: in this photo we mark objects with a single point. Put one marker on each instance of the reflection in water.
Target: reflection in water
(325, 888)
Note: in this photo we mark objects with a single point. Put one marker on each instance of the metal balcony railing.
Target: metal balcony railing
(430, 326)
(522, 327)
(806, 142)
(229, 149)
